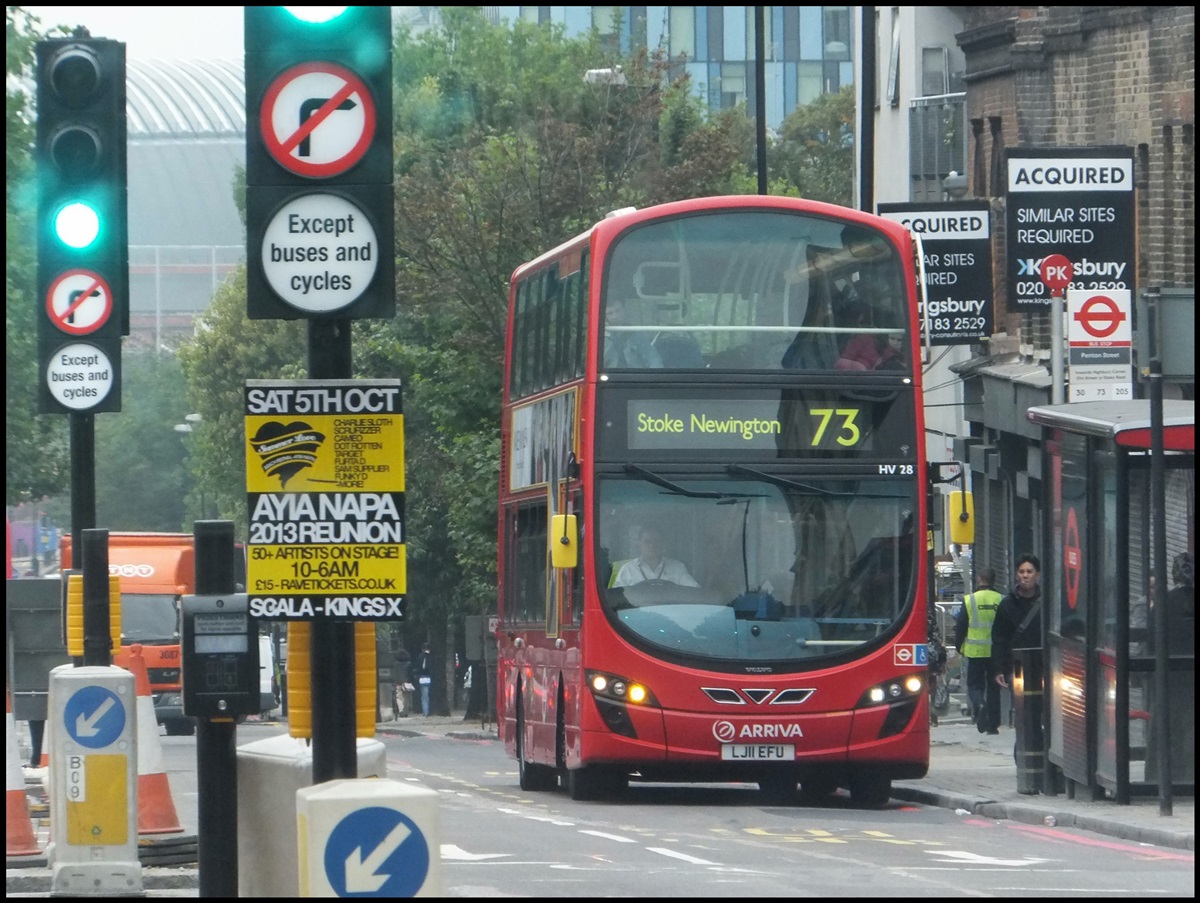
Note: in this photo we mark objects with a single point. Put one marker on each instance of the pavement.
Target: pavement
(969, 772)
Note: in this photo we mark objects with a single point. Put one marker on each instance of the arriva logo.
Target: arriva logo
(726, 731)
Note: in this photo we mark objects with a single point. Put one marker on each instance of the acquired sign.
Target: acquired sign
(1074, 202)
(957, 260)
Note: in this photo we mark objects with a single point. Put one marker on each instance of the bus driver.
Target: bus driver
(651, 565)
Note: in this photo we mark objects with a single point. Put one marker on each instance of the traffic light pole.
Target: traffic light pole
(216, 739)
(334, 740)
(320, 225)
(83, 476)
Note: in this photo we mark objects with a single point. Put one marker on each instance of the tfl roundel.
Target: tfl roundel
(317, 119)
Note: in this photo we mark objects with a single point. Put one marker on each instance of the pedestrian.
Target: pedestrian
(425, 676)
(1018, 625)
(936, 658)
(404, 684)
(973, 637)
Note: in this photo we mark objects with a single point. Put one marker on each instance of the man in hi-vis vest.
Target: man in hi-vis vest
(973, 636)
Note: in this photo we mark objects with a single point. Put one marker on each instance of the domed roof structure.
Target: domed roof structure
(186, 141)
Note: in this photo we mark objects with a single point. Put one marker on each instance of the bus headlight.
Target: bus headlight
(907, 686)
(619, 689)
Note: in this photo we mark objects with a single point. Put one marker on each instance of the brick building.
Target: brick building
(1036, 77)
(1116, 81)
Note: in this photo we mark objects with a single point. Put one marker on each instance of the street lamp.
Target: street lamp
(188, 427)
(611, 76)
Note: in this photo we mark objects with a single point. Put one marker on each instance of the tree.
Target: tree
(228, 349)
(814, 155)
(502, 150)
(140, 477)
(36, 458)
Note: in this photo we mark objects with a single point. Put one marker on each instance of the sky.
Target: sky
(157, 32)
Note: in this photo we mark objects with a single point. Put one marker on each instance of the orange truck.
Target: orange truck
(155, 571)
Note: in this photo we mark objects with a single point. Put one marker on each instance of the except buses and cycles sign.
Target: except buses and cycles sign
(325, 488)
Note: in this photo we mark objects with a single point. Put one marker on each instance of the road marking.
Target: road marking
(1059, 834)
(553, 821)
(615, 837)
(967, 858)
(676, 855)
(455, 853)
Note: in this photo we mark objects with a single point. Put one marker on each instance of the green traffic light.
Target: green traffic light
(77, 225)
(315, 15)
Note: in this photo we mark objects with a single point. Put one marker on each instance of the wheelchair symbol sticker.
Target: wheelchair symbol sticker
(905, 654)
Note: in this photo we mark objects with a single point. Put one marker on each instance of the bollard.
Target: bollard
(1030, 750)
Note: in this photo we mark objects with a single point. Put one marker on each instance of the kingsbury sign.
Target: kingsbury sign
(956, 247)
(1077, 202)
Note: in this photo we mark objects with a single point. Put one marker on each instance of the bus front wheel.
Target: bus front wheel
(778, 789)
(592, 782)
(870, 791)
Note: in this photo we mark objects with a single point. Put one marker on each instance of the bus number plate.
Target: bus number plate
(738, 752)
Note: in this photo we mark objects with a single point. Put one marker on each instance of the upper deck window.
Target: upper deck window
(741, 290)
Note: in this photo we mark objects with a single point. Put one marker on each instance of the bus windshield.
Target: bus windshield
(761, 290)
(757, 568)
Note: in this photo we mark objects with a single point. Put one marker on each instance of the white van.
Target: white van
(266, 675)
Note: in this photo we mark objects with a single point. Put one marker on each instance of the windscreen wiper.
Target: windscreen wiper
(780, 481)
(651, 477)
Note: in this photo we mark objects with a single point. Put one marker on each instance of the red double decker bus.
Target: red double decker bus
(712, 504)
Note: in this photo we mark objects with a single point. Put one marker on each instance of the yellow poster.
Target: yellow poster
(325, 488)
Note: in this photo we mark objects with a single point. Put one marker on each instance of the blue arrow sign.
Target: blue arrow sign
(376, 852)
(94, 717)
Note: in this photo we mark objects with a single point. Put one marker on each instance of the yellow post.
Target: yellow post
(299, 678)
(365, 681)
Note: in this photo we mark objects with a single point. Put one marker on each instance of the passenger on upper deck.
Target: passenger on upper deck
(626, 347)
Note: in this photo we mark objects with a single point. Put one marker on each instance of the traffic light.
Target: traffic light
(82, 231)
(319, 196)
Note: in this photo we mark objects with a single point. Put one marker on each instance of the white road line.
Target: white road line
(615, 837)
(676, 855)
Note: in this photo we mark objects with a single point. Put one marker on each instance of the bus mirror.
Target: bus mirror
(961, 518)
(564, 541)
(658, 279)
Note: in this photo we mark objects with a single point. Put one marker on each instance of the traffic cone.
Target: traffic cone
(18, 827)
(156, 809)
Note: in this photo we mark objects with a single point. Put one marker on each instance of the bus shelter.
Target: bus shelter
(1099, 652)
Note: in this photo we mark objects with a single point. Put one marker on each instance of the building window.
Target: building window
(607, 21)
(893, 82)
(733, 84)
(935, 71)
(683, 31)
(837, 33)
(770, 51)
(535, 15)
(809, 78)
